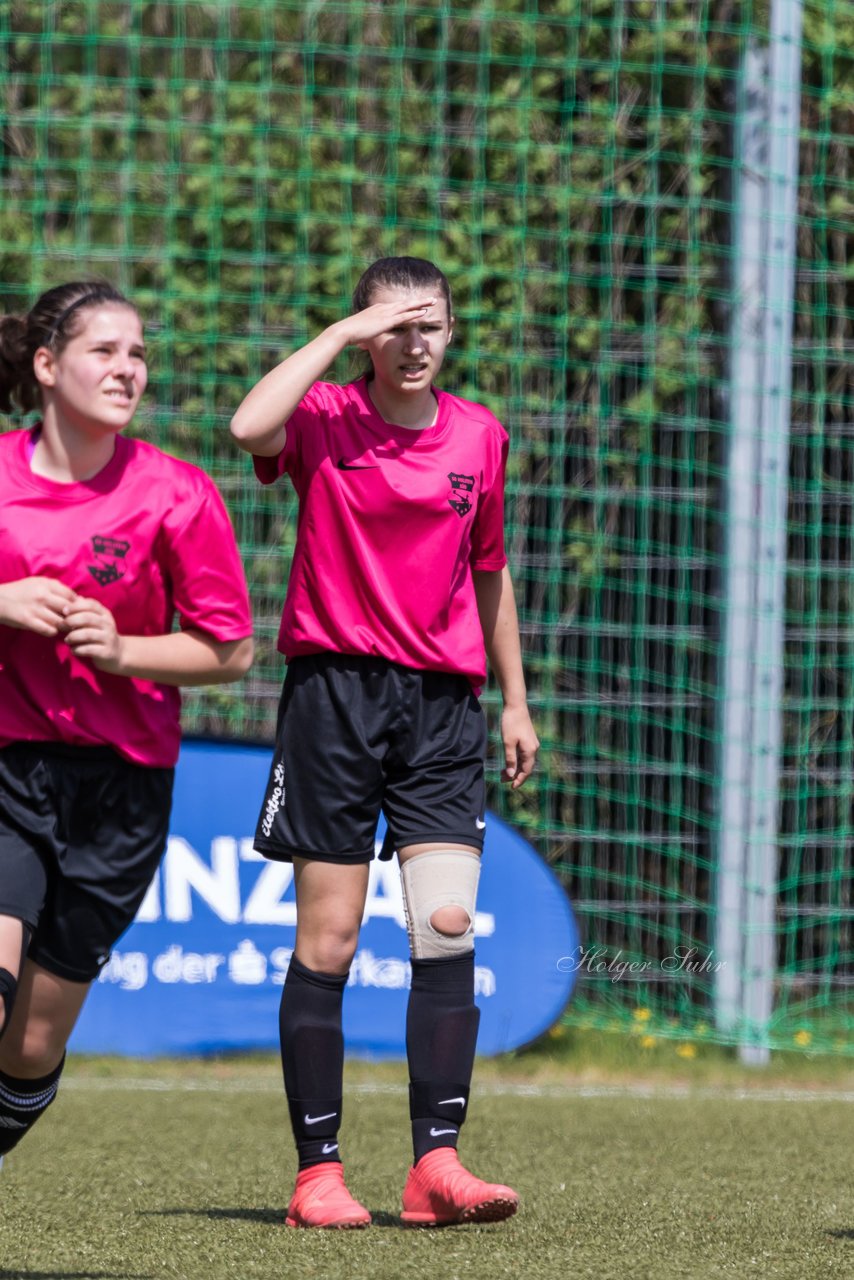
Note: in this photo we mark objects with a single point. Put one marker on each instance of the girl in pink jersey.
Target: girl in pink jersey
(399, 589)
(102, 541)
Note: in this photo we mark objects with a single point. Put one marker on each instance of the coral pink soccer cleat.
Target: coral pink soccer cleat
(321, 1199)
(440, 1191)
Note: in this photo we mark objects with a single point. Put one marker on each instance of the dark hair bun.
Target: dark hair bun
(14, 360)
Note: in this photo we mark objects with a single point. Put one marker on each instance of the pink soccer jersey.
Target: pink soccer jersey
(391, 523)
(148, 537)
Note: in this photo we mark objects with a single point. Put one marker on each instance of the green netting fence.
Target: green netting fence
(576, 166)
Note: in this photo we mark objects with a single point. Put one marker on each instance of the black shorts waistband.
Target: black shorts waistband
(368, 664)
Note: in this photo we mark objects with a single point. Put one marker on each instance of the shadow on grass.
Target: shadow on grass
(72, 1275)
(844, 1233)
(271, 1217)
(379, 1218)
(274, 1217)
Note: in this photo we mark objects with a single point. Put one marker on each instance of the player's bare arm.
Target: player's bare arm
(259, 425)
(496, 605)
(181, 658)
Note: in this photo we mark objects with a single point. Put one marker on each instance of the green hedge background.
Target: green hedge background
(570, 165)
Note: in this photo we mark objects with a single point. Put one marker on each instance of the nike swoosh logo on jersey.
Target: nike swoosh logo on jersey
(444, 1102)
(437, 1133)
(317, 1119)
(479, 824)
(343, 465)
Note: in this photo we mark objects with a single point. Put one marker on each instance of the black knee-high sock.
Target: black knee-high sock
(441, 1035)
(313, 1059)
(22, 1102)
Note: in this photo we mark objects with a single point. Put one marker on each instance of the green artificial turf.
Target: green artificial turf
(184, 1170)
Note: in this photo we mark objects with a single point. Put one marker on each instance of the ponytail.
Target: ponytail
(15, 388)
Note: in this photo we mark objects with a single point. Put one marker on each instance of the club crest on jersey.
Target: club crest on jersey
(460, 485)
(108, 553)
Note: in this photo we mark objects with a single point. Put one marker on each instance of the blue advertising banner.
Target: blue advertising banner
(201, 968)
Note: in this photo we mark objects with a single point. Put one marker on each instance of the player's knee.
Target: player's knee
(32, 1055)
(439, 894)
(451, 921)
(328, 959)
(331, 951)
(8, 991)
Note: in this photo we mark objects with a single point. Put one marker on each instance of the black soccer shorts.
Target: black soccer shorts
(82, 831)
(359, 735)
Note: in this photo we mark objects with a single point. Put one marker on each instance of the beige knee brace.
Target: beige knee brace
(443, 878)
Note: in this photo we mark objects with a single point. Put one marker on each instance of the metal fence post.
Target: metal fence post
(761, 374)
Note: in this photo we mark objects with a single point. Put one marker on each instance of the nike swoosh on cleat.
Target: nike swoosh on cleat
(329, 1147)
(317, 1119)
(437, 1133)
(343, 465)
(443, 1102)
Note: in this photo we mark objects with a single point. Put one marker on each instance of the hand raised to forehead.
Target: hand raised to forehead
(384, 316)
